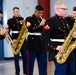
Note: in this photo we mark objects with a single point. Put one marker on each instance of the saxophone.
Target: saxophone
(68, 45)
(21, 38)
(7, 36)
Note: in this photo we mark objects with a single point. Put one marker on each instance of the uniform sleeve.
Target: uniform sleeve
(9, 24)
(46, 34)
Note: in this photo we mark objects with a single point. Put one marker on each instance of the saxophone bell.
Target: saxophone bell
(21, 38)
(68, 45)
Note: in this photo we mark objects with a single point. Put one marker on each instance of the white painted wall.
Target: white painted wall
(26, 9)
(70, 4)
(29, 6)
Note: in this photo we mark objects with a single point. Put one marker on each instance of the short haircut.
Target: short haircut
(1, 12)
(39, 8)
(59, 3)
(74, 8)
(16, 8)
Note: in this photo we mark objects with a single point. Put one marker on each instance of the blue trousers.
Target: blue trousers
(65, 69)
(41, 60)
(75, 58)
(24, 58)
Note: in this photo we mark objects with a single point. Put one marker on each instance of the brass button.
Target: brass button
(38, 26)
(54, 48)
(59, 17)
(33, 28)
(64, 27)
(35, 24)
(38, 21)
(13, 24)
(63, 24)
(61, 20)
(48, 44)
(32, 38)
(51, 46)
(65, 34)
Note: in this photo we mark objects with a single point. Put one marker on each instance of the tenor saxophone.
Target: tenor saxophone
(21, 38)
(68, 45)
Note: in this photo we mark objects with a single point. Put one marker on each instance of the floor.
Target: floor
(7, 68)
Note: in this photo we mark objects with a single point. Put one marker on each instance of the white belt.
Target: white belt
(57, 40)
(15, 31)
(34, 33)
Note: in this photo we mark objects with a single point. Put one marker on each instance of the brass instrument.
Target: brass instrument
(7, 36)
(21, 38)
(68, 45)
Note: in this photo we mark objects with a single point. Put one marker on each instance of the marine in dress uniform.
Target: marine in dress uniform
(15, 24)
(33, 43)
(54, 33)
(71, 19)
(2, 31)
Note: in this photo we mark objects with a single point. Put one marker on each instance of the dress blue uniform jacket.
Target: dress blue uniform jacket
(55, 28)
(15, 24)
(33, 42)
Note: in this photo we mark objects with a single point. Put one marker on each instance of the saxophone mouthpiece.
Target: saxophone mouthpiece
(41, 17)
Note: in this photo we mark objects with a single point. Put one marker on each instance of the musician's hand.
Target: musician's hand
(60, 49)
(3, 32)
(74, 35)
(42, 22)
(15, 41)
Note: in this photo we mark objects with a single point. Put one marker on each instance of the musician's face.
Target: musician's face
(61, 10)
(38, 13)
(1, 16)
(74, 14)
(16, 12)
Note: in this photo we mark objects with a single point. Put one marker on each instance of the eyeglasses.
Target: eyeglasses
(63, 8)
